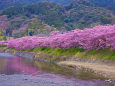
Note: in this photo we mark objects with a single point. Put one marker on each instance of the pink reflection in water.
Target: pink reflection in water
(19, 66)
(16, 65)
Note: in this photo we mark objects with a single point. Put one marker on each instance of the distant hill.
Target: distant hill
(22, 26)
(77, 14)
(7, 3)
(109, 4)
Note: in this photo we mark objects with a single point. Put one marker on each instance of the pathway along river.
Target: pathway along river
(18, 71)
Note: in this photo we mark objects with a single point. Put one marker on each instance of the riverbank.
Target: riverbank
(102, 69)
(23, 71)
(68, 58)
(102, 54)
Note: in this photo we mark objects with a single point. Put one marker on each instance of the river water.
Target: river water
(18, 71)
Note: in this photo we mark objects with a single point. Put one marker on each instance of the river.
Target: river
(18, 71)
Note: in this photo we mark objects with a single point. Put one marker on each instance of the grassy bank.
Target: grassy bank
(105, 54)
(3, 48)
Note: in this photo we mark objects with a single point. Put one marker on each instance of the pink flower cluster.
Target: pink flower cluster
(99, 37)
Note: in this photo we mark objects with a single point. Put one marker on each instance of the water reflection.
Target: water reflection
(14, 65)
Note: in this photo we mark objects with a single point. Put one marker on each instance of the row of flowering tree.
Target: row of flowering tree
(98, 37)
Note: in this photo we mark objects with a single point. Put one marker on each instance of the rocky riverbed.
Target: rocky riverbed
(45, 80)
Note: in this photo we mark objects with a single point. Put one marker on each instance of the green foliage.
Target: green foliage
(38, 27)
(58, 51)
(1, 32)
(99, 54)
(2, 38)
(15, 24)
(86, 14)
(12, 11)
(78, 14)
(3, 48)
(105, 20)
(105, 54)
(50, 12)
(106, 3)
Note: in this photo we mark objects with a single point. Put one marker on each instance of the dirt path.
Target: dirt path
(104, 69)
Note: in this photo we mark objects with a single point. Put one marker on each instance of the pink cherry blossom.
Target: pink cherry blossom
(98, 37)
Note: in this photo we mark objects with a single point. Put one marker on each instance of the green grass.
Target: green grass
(57, 51)
(3, 48)
(105, 54)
